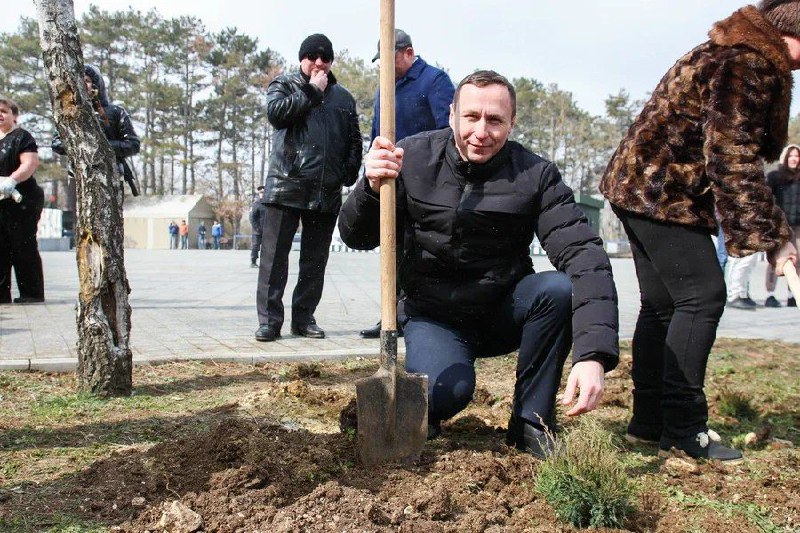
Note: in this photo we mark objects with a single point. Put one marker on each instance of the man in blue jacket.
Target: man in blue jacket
(423, 94)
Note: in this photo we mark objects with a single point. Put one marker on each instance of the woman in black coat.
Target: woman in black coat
(785, 185)
(19, 218)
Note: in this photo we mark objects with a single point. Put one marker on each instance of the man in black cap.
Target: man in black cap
(256, 223)
(316, 150)
(423, 94)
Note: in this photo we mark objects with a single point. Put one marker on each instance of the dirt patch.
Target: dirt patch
(273, 449)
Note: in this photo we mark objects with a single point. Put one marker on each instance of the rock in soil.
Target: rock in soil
(178, 518)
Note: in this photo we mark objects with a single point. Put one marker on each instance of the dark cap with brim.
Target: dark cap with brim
(401, 41)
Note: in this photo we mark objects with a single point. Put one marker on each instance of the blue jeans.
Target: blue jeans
(534, 318)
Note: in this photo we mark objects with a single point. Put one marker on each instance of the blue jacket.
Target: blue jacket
(422, 101)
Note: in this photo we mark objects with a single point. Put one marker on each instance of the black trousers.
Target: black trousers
(255, 247)
(18, 246)
(682, 299)
(535, 317)
(315, 244)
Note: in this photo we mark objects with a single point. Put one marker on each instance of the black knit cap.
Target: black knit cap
(783, 14)
(316, 44)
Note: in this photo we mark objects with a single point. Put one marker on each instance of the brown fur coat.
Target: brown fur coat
(700, 139)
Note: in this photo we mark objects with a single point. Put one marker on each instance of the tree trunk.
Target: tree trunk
(161, 175)
(191, 166)
(266, 148)
(219, 151)
(253, 138)
(104, 353)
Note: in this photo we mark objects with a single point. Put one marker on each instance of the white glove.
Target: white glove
(7, 186)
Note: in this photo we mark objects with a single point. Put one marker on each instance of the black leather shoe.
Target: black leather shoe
(254, 265)
(742, 303)
(372, 333)
(791, 302)
(771, 301)
(375, 331)
(267, 333)
(310, 330)
(28, 300)
(530, 438)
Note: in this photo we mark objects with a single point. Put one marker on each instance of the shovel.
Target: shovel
(392, 405)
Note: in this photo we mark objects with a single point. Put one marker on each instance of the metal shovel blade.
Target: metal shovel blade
(392, 428)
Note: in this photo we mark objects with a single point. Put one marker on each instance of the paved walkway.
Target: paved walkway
(193, 304)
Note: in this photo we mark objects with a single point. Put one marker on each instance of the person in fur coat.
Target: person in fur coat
(697, 145)
(785, 185)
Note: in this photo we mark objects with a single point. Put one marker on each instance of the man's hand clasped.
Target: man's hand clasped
(383, 161)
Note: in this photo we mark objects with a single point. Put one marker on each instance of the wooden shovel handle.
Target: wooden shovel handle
(387, 188)
(790, 272)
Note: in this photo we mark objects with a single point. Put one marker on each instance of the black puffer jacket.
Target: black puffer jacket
(118, 129)
(467, 231)
(317, 146)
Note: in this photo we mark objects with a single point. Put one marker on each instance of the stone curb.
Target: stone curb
(68, 364)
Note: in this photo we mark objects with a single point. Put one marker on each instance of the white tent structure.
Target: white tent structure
(147, 219)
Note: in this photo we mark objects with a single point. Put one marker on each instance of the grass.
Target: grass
(737, 405)
(585, 481)
(49, 430)
(55, 524)
(755, 514)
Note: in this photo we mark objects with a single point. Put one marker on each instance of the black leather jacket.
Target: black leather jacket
(317, 146)
(467, 229)
(118, 130)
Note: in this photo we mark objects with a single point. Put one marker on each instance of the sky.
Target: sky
(591, 48)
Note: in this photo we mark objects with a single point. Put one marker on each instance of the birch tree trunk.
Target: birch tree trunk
(104, 353)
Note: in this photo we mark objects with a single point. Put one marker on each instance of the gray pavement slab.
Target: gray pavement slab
(200, 304)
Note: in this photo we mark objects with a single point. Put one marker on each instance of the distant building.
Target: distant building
(147, 219)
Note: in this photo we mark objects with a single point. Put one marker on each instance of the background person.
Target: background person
(737, 281)
(173, 235)
(469, 202)
(216, 233)
(698, 144)
(183, 231)
(423, 94)
(785, 185)
(117, 127)
(316, 150)
(19, 249)
(201, 236)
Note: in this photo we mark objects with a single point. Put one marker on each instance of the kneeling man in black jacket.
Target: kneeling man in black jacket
(469, 202)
